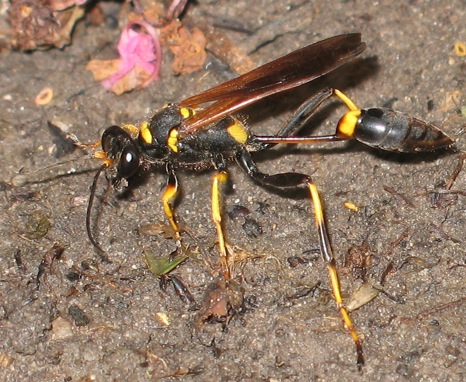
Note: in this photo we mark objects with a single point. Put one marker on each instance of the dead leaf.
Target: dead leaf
(187, 46)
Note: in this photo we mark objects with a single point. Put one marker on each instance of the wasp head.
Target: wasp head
(123, 157)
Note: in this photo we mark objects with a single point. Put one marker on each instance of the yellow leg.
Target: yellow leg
(218, 179)
(327, 255)
(169, 196)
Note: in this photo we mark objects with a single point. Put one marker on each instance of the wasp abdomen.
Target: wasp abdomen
(396, 131)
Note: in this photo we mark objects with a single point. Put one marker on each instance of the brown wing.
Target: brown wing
(287, 72)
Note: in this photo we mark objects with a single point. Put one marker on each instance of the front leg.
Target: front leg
(221, 177)
(169, 198)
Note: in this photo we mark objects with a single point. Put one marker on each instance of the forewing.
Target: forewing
(287, 72)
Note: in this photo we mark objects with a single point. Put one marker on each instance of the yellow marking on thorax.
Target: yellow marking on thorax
(172, 141)
(146, 134)
(186, 112)
(238, 132)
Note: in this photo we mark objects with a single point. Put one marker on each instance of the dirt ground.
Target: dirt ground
(94, 318)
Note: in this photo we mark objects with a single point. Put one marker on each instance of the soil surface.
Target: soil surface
(68, 313)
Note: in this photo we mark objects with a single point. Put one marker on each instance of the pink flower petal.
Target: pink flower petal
(139, 52)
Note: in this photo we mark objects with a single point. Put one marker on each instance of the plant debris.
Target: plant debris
(42, 24)
(187, 46)
(139, 62)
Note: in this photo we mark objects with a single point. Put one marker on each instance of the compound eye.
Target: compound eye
(129, 162)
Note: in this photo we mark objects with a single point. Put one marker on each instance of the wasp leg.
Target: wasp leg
(168, 198)
(221, 177)
(295, 180)
(300, 119)
(302, 115)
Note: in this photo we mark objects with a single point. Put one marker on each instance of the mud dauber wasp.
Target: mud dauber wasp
(185, 135)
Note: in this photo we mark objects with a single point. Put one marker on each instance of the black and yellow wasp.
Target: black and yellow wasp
(200, 132)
